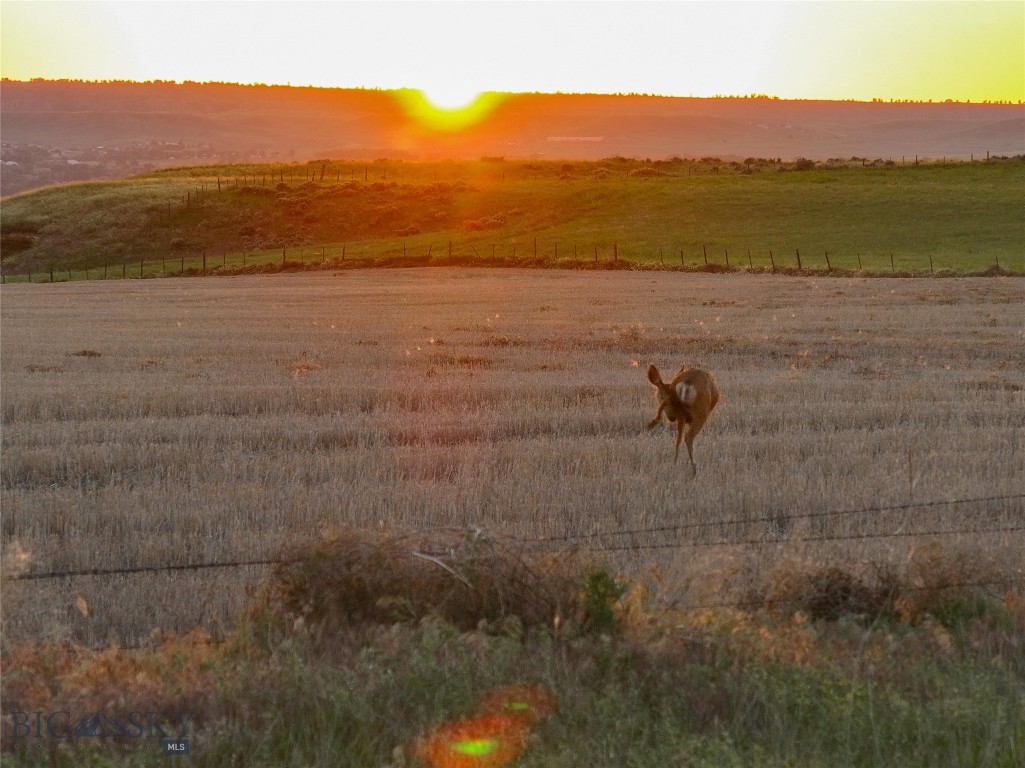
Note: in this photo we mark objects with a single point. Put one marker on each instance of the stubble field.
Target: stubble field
(181, 421)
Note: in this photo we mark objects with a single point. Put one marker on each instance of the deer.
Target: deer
(687, 401)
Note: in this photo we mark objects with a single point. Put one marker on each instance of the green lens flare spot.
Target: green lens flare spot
(475, 747)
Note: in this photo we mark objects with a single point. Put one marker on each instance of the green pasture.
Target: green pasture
(916, 218)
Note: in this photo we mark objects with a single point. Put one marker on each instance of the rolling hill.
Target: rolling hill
(55, 131)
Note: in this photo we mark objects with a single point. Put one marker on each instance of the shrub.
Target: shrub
(469, 577)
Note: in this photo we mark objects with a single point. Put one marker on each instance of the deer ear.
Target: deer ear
(653, 376)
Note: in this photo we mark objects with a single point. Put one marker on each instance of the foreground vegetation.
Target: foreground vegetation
(956, 217)
(929, 678)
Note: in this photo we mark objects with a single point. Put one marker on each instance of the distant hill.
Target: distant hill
(55, 131)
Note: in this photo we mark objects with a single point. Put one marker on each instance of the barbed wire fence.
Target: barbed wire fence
(576, 541)
(640, 540)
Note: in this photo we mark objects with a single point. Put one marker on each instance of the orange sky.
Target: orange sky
(832, 50)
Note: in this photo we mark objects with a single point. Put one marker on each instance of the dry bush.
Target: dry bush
(945, 582)
(469, 577)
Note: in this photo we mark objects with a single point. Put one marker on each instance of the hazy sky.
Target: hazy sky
(833, 50)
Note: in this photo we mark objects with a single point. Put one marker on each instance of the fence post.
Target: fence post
(750, 264)
(772, 261)
(727, 252)
(891, 263)
(140, 269)
(615, 251)
(798, 252)
(682, 264)
(704, 252)
(859, 262)
(828, 265)
(931, 270)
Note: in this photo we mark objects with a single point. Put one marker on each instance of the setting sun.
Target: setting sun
(450, 97)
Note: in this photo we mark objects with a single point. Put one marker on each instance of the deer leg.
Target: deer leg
(695, 427)
(679, 436)
(658, 415)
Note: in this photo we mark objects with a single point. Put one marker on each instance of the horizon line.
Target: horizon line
(619, 94)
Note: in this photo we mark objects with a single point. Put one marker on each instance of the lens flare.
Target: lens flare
(494, 737)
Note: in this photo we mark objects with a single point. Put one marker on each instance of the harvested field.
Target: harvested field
(180, 421)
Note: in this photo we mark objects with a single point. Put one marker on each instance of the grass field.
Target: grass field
(173, 422)
(168, 422)
(939, 217)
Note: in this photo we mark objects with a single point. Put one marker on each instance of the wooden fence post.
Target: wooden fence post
(726, 251)
(892, 269)
(798, 252)
(772, 261)
(704, 252)
(828, 265)
(750, 263)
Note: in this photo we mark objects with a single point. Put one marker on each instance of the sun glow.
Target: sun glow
(448, 109)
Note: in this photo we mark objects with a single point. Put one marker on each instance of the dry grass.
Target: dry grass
(221, 419)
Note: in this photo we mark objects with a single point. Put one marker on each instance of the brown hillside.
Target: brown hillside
(87, 130)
